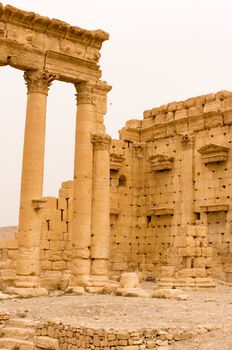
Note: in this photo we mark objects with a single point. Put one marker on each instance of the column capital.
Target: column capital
(39, 81)
(101, 141)
(88, 92)
(85, 93)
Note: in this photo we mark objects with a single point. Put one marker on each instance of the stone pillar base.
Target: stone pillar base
(187, 283)
(27, 282)
(88, 281)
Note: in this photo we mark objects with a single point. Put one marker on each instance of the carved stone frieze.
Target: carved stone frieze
(212, 153)
(160, 162)
(101, 141)
(39, 81)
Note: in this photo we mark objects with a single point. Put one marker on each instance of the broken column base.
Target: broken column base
(88, 281)
(187, 283)
(27, 286)
(27, 292)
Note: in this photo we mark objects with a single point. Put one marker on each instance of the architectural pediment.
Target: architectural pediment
(160, 162)
(116, 161)
(212, 153)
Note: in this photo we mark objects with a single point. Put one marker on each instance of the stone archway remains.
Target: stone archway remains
(46, 50)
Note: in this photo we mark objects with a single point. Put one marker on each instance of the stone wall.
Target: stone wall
(8, 255)
(52, 335)
(56, 221)
(185, 178)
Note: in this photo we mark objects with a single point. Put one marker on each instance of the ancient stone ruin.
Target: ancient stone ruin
(156, 202)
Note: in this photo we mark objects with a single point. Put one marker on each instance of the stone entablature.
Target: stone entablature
(32, 42)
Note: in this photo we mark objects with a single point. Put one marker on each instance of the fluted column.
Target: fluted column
(28, 263)
(100, 207)
(82, 192)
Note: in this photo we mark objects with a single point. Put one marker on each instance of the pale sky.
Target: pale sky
(159, 51)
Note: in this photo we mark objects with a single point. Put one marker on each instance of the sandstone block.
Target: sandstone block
(46, 343)
(129, 280)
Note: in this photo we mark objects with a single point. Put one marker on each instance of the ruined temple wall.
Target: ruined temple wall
(8, 256)
(192, 191)
(123, 184)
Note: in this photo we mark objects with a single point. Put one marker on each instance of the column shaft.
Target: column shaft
(82, 195)
(28, 263)
(100, 206)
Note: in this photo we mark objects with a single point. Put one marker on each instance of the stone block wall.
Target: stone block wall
(52, 335)
(185, 178)
(8, 255)
(56, 221)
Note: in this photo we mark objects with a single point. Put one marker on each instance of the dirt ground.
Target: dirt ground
(203, 308)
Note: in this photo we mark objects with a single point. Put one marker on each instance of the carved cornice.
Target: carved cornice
(39, 81)
(160, 162)
(116, 161)
(212, 153)
(53, 27)
(101, 141)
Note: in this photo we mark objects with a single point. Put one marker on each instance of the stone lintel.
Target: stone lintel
(214, 207)
(161, 211)
(70, 69)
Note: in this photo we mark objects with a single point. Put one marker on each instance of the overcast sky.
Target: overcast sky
(159, 51)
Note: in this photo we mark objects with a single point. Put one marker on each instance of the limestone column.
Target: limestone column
(82, 191)
(28, 262)
(100, 208)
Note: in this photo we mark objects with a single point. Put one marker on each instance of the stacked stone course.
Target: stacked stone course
(55, 335)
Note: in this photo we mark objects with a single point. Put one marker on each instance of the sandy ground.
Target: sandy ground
(203, 308)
